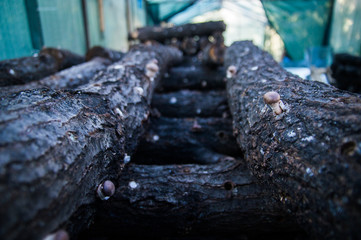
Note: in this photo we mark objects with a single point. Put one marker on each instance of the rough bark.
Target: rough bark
(98, 51)
(187, 30)
(193, 77)
(220, 199)
(185, 103)
(310, 153)
(56, 147)
(27, 69)
(69, 78)
(190, 140)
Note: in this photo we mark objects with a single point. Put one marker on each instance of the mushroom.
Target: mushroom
(106, 190)
(119, 112)
(196, 127)
(133, 184)
(58, 235)
(151, 69)
(231, 71)
(273, 100)
(138, 90)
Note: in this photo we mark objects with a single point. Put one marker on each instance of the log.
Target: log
(64, 58)
(213, 53)
(189, 46)
(204, 42)
(307, 149)
(27, 69)
(174, 42)
(187, 103)
(99, 51)
(187, 30)
(190, 201)
(189, 140)
(57, 147)
(69, 78)
(195, 77)
(346, 70)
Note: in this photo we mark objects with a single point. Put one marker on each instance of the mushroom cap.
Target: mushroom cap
(61, 235)
(271, 97)
(108, 188)
(152, 65)
(231, 71)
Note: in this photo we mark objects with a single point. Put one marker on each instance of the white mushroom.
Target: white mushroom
(138, 90)
(231, 71)
(151, 69)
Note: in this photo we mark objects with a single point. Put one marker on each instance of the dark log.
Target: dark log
(189, 61)
(189, 140)
(194, 77)
(203, 42)
(69, 78)
(213, 53)
(187, 201)
(56, 147)
(99, 51)
(27, 69)
(173, 42)
(187, 103)
(187, 30)
(310, 153)
(346, 70)
(64, 58)
(189, 46)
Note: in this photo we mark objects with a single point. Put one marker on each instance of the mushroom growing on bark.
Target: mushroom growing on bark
(106, 190)
(273, 100)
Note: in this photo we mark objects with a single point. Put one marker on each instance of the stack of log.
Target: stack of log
(147, 148)
(203, 40)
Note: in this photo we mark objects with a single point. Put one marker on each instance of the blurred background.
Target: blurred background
(295, 32)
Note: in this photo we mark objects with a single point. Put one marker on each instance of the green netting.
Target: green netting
(198, 8)
(160, 10)
(300, 23)
(346, 27)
